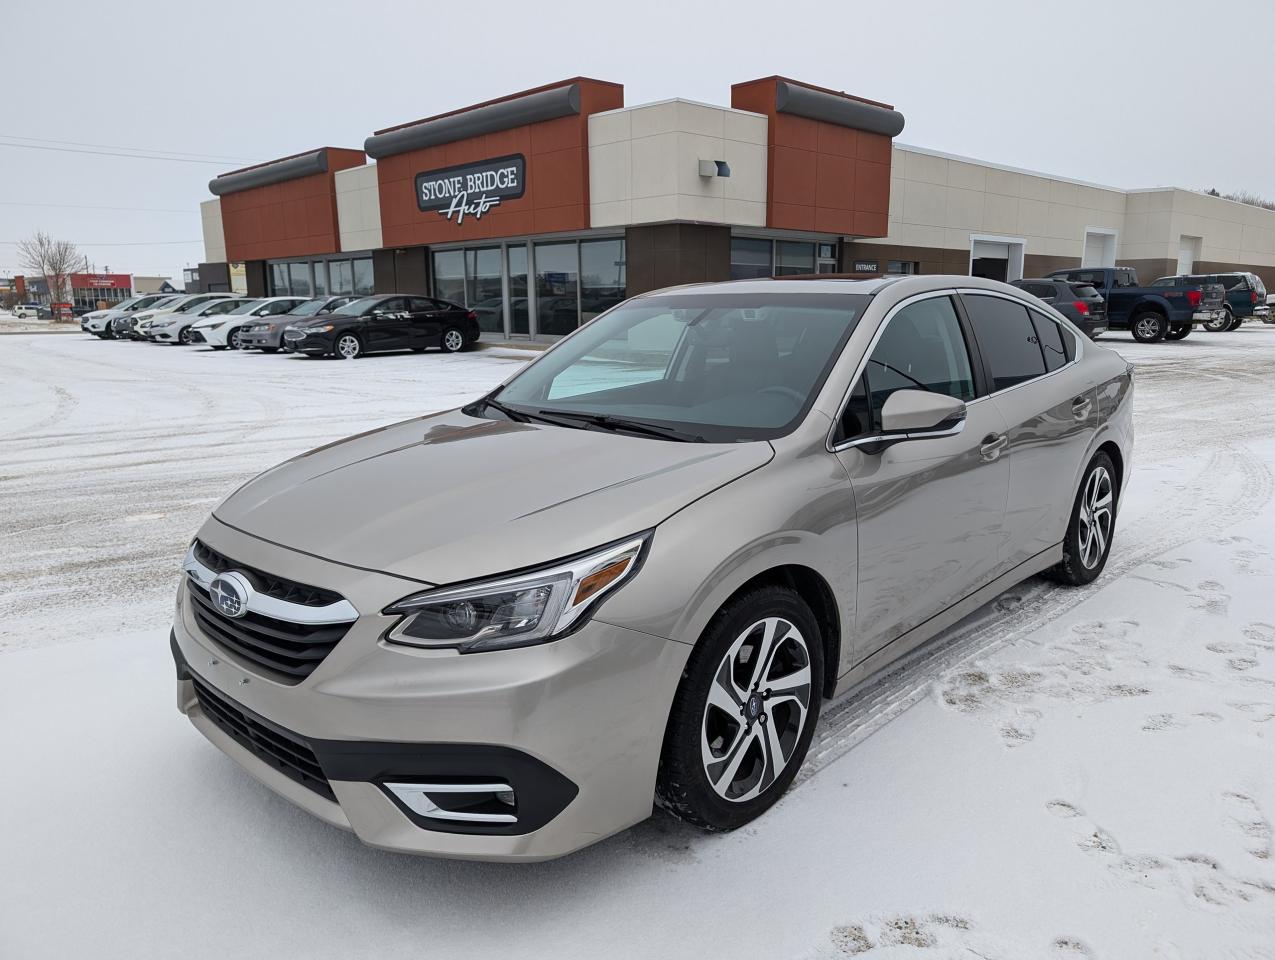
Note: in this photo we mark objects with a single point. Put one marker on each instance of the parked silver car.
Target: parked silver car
(634, 572)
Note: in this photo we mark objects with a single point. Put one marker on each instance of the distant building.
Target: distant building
(145, 285)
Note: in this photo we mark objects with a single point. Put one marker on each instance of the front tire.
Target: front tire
(1149, 327)
(745, 711)
(1087, 543)
(233, 341)
(183, 336)
(347, 347)
(1178, 331)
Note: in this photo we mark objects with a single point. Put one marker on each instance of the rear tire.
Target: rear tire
(1235, 325)
(1149, 327)
(1179, 331)
(1221, 325)
(452, 340)
(1092, 526)
(745, 711)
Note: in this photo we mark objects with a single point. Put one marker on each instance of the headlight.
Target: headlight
(519, 610)
(144, 316)
(213, 326)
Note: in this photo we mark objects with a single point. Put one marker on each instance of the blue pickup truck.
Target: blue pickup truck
(1151, 314)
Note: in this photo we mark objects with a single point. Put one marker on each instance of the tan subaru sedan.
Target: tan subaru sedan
(632, 574)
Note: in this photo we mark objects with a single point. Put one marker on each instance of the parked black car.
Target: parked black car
(267, 334)
(1245, 296)
(385, 322)
(1081, 303)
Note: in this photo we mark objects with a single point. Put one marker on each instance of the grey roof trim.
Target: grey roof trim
(502, 115)
(301, 165)
(830, 108)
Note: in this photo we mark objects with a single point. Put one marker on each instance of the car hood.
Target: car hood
(450, 497)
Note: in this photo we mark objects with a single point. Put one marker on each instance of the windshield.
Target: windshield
(355, 307)
(307, 309)
(721, 367)
(126, 304)
(164, 303)
(247, 306)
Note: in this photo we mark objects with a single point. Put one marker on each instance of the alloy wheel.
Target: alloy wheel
(233, 340)
(453, 340)
(757, 709)
(1148, 328)
(348, 347)
(1095, 517)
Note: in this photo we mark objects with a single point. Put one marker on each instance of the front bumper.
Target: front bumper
(259, 339)
(314, 344)
(574, 727)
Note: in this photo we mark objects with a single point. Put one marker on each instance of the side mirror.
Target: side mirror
(917, 413)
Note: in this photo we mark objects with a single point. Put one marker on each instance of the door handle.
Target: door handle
(993, 445)
(1080, 407)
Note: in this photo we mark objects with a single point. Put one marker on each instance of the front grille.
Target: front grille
(266, 583)
(289, 651)
(278, 747)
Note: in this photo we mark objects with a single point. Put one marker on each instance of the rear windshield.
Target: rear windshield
(1085, 291)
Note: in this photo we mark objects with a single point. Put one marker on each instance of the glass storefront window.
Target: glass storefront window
(449, 275)
(519, 317)
(300, 279)
(602, 279)
(482, 268)
(278, 279)
(320, 278)
(341, 276)
(749, 258)
(363, 284)
(794, 256)
(557, 298)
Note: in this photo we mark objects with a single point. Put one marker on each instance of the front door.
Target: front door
(388, 325)
(930, 511)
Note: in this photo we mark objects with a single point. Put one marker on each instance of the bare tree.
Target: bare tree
(55, 260)
(1244, 196)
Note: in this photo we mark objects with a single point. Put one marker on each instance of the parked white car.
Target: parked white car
(223, 331)
(98, 322)
(175, 327)
(24, 310)
(143, 322)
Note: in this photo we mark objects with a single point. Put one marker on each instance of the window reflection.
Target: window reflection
(749, 258)
(342, 276)
(557, 298)
(483, 286)
(518, 316)
(363, 277)
(449, 275)
(300, 279)
(601, 276)
(794, 256)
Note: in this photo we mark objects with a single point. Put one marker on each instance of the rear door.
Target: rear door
(425, 324)
(930, 511)
(1030, 364)
(387, 326)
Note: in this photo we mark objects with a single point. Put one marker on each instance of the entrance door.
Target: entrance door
(990, 268)
(930, 511)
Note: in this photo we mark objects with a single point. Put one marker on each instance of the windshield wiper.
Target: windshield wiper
(518, 416)
(623, 425)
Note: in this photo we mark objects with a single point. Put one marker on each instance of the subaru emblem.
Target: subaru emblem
(229, 593)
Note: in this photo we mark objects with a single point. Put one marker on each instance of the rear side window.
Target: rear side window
(1084, 291)
(1042, 290)
(1051, 342)
(1006, 338)
(922, 348)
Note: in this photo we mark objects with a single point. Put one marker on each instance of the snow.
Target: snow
(1067, 773)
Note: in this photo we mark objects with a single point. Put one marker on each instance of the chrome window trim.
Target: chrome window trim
(333, 613)
(863, 362)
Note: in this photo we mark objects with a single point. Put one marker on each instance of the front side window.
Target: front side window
(724, 367)
(921, 348)
(246, 307)
(1007, 339)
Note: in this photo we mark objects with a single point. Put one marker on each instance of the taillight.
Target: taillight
(1194, 297)
(472, 316)
(1082, 308)
(1252, 296)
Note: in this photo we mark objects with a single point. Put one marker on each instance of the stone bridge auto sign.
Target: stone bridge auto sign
(471, 189)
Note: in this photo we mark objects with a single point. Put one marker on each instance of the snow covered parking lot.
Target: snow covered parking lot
(1067, 773)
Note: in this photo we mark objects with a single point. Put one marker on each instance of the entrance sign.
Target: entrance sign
(471, 189)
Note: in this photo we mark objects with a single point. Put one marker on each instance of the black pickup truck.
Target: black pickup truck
(1151, 314)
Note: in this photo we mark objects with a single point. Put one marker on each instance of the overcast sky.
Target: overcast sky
(1130, 94)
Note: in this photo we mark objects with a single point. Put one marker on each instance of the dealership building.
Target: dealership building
(541, 209)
